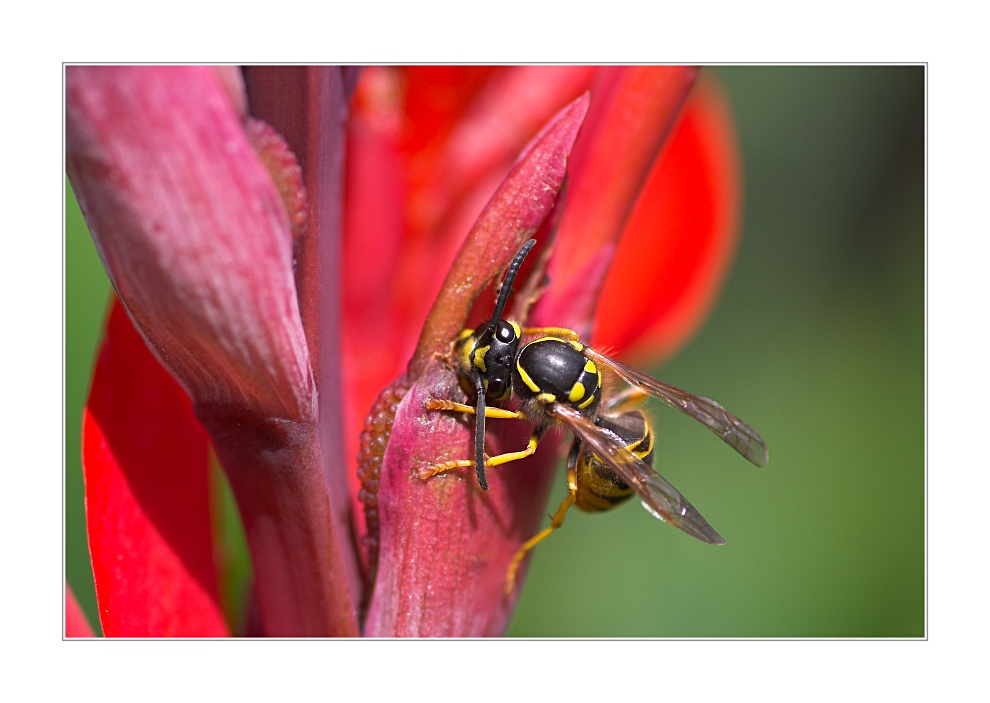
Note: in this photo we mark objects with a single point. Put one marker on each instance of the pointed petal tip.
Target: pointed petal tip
(582, 102)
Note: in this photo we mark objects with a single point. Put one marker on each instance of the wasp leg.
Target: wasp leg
(505, 458)
(559, 332)
(451, 406)
(555, 523)
(625, 400)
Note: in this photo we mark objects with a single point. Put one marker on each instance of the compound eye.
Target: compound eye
(496, 389)
(504, 332)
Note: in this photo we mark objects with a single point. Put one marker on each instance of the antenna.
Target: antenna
(479, 385)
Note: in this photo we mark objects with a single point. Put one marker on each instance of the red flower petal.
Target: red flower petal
(513, 105)
(436, 97)
(633, 111)
(377, 341)
(675, 251)
(147, 501)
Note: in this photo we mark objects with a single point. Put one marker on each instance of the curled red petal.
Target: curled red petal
(445, 545)
(634, 109)
(513, 105)
(675, 251)
(147, 497)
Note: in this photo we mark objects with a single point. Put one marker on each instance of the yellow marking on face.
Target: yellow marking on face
(467, 351)
(577, 392)
(479, 358)
(516, 328)
(547, 398)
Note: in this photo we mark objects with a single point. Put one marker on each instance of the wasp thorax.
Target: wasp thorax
(554, 370)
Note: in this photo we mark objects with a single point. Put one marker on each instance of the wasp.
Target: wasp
(558, 380)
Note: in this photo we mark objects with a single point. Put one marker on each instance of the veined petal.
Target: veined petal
(445, 544)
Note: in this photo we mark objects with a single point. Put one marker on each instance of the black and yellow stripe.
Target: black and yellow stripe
(599, 487)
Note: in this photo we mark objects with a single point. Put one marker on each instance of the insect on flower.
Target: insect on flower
(558, 381)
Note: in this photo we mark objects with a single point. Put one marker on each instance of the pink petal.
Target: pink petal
(308, 106)
(191, 230)
(197, 242)
(445, 544)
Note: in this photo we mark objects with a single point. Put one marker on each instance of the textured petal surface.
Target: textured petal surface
(192, 231)
(445, 545)
(308, 106)
(198, 243)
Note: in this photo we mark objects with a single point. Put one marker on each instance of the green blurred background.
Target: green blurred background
(818, 341)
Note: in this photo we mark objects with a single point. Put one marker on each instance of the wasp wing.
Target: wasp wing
(730, 429)
(658, 496)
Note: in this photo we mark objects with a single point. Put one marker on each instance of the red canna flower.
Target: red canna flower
(269, 290)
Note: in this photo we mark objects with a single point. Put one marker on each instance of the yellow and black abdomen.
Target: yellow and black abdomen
(552, 370)
(598, 486)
